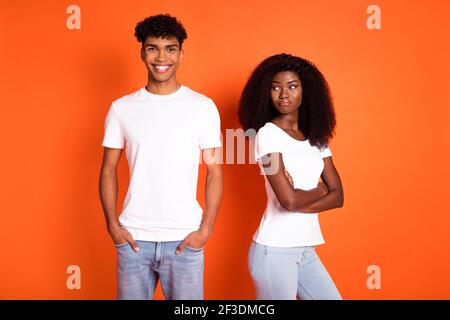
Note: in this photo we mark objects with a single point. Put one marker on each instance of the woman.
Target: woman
(287, 101)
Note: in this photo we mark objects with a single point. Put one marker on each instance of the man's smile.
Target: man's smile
(160, 68)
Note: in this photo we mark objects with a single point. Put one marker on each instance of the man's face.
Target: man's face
(162, 58)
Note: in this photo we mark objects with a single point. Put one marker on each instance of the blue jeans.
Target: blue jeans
(289, 273)
(138, 272)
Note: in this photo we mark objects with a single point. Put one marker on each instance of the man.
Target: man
(164, 127)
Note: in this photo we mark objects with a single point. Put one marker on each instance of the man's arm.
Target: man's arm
(213, 195)
(108, 196)
(291, 199)
(335, 196)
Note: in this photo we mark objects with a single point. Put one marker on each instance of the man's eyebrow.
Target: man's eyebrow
(156, 46)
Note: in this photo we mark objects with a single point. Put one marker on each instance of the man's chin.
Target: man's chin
(161, 78)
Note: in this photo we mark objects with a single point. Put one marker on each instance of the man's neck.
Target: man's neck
(162, 88)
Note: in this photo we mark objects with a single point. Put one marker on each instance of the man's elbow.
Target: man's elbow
(214, 169)
(109, 166)
(215, 176)
(107, 173)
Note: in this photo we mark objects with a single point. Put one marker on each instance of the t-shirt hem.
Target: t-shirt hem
(290, 244)
(159, 235)
(114, 146)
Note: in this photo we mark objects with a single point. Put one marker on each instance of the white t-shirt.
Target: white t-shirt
(163, 136)
(279, 227)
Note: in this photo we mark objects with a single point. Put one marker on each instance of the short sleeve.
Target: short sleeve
(325, 152)
(113, 136)
(209, 136)
(266, 141)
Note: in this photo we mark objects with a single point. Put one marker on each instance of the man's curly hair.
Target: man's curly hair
(160, 26)
(317, 119)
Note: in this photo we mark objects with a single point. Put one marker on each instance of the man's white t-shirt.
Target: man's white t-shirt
(304, 162)
(163, 136)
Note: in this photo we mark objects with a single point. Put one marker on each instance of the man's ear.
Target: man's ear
(181, 55)
(142, 54)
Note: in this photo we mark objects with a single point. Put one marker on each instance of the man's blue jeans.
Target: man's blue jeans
(289, 273)
(138, 273)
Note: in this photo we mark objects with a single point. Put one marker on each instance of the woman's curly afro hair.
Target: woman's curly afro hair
(160, 26)
(317, 119)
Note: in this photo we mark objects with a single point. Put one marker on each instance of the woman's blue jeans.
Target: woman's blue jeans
(289, 274)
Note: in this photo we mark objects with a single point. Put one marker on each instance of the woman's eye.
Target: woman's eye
(292, 87)
(275, 88)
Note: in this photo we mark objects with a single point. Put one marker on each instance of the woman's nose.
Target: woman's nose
(283, 94)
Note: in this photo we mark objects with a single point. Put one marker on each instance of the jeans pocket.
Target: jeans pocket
(194, 249)
(120, 244)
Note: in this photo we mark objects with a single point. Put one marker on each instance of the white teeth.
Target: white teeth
(162, 68)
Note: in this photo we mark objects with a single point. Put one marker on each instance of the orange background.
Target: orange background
(392, 98)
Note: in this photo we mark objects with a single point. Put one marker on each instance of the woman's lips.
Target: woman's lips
(284, 103)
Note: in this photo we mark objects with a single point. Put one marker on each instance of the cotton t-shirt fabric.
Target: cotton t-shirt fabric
(163, 136)
(304, 162)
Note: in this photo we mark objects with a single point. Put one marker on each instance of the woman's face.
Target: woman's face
(286, 92)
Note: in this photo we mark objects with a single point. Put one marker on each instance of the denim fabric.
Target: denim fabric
(289, 274)
(138, 273)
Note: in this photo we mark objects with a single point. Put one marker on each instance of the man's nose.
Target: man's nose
(160, 55)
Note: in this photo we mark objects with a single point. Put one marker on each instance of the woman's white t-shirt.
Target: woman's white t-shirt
(304, 162)
(163, 136)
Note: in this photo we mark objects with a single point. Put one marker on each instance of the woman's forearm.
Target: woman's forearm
(333, 199)
(303, 198)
